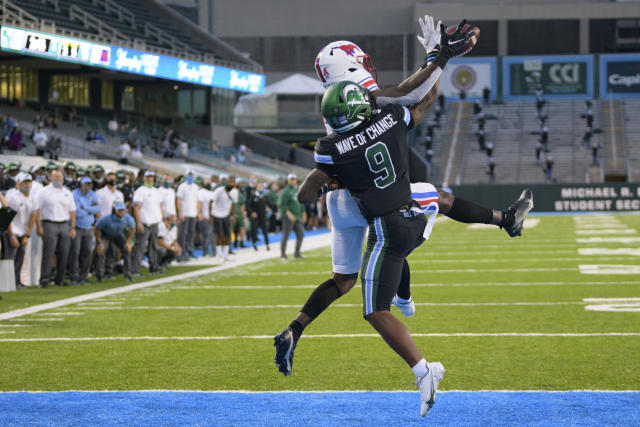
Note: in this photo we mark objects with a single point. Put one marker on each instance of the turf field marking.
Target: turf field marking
(439, 271)
(607, 231)
(14, 326)
(608, 240)
(607, 251)
(600, 225)
(48, 319)
(609, 269)
(66, 313)
(528, 223)
(248, 257)
(270, 337)
(613, 304)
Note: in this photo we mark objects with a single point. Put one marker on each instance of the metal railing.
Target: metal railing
(162, 37)
(53, 3)
(110, 6)
(89, 21)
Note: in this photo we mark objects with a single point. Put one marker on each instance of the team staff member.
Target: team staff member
(16, 238)
(168, 248)
(57, 227)
(117, 229)
(109, 195)
(257, 211)
(204, 213)
(292, 214)
(222, 201)
(87, 207)
(188, 206)
(148, 213)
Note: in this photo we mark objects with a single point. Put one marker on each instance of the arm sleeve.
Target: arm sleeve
(416, 95)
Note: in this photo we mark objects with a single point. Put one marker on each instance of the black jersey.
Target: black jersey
(372, 161)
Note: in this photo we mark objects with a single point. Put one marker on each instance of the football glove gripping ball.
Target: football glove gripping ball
(450, 43)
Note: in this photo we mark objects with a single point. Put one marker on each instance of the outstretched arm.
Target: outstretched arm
(311, 186)
(411, 91)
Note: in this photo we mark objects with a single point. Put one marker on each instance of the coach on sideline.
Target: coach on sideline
(87, 207)
(57, 227)
(118, 229)
(148, 213)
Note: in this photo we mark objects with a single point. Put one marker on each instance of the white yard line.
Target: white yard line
(438, 271)
(270, 337)
(248, 257)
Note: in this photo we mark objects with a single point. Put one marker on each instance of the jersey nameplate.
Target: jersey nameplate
(373, 131)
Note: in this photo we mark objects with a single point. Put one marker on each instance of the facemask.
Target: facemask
(189, 179)
(111, 183)
(40, 178)
(149, 184)
(25, 190)
(57, 184)
(229, 187)
(166, 184)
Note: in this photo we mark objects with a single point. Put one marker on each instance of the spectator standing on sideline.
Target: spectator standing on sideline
(117, 229)
(57, 226)
(188, 206)
(292, 215)
(148, 213)
(257, 212)
(239, 226)
(109, 195)
(168, 195)
(16, 238)
(222, 201)
(87, 207)
(125, 151)
(272, 203)
(204, 215)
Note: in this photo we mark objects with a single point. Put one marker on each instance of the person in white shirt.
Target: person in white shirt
(40, 138)
(204, 197)
(148, 213)
(168, 248)
(223, 199)
(125, 150)
(108, 195)
(16, 238)
(188, 206)
(168, 199)
(56, 224)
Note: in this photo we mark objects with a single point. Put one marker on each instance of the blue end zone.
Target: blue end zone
(331, 408)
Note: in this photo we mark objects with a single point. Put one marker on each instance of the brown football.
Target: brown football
(465, 48)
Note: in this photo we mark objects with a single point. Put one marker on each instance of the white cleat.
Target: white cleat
(428, 385)
(407, 308)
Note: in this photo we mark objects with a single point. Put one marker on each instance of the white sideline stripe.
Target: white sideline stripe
(100, 303)
(610, 299)
(48, 319)
(312, 391)
(419, 285)
(313, 242)
(65, 313)
(7, 332)
(438, 271)
(14, 326)
(608, 240)
(425, 304)
(452, 149)
(270, 337)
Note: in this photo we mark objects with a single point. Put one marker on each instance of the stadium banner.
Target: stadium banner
(619, 76)
(471, 75)
(560, 76)
(59, 48)
(602, 197)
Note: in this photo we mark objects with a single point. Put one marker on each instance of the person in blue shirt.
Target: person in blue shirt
(119, 229)
(87, 207)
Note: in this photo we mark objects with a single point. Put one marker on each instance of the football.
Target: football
(465, 48)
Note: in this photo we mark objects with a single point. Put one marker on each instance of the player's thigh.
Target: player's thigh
(346, 249)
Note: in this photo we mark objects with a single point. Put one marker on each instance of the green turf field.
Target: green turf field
(478, 293)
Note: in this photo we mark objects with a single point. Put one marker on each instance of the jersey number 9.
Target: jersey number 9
(379, 161)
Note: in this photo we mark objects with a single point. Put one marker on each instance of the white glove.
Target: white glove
(430, 33)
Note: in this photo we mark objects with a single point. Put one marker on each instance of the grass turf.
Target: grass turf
(457, 270)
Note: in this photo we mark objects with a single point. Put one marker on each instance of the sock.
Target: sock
(508, 218)
(296, 327)
(225, 251)
(321, 298)
(404, 289)
(421, 369)
(219, 250)
(468, 212)
(404, 301)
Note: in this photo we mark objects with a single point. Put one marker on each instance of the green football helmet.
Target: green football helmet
(346, 105)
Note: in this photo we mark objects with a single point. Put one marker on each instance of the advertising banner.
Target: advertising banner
(619, 76)
(59, 48)
(471, 75)
(559, 76)
(604, 197)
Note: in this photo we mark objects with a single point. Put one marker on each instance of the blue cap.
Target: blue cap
(85, 180)
(120, 206)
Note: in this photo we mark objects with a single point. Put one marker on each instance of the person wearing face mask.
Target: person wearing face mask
(16, 238)
(56, 225)
(257, 212)
(87, 207)
(70, 181)
(98, 177)
(168, 198)
(204, 213)
(223, 199)
(109, 195)
(116, 229)
(148, 213)
(188, 206)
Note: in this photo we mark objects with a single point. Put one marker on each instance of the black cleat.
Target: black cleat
(285, 345)
(520, 208)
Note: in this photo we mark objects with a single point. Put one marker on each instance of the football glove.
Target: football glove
(430, 35)
(450, 43)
